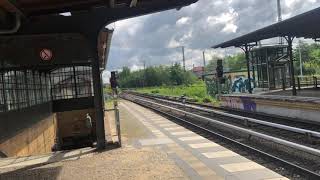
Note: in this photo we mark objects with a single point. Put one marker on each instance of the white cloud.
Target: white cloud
(173, 43)
(230, 28)
(156, 38)
(131, 26)
(224, 18)
(183, 21)
(290, 2)
(187, 36)
(227, 19)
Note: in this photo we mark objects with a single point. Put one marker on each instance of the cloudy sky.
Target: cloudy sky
(157, 39)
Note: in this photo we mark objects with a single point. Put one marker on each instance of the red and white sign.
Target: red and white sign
(46, 54)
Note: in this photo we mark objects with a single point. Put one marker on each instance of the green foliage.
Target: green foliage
(197, 91)
(155, 76)
(236, 62)
(310, 56)
(232, 63)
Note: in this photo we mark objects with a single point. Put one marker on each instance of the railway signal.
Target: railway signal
(113, 82)
(219, 68)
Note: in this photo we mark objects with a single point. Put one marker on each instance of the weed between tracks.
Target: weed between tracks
(197, 91)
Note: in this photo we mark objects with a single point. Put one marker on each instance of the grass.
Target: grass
(196, 91)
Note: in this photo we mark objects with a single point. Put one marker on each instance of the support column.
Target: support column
(246, 51)
(26, 87)
(75, 82)
(294, 90)
(253, 72)
(4, 91)
(98, 103)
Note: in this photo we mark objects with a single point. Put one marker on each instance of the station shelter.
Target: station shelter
(270, 67)
(52, 54)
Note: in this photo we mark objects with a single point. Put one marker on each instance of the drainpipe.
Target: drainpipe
(15, 28)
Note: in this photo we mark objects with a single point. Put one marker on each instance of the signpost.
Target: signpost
(46, 54)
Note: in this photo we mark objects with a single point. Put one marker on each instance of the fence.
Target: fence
(308, 81)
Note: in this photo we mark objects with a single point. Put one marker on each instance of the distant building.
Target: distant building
(198, 71)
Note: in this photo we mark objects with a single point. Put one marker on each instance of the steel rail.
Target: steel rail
(247, 131)
(312, 173)
(270, 124)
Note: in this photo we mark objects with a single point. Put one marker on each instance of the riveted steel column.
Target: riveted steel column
(293, 82)
(253, 71)
(98, 103)
(246, 50)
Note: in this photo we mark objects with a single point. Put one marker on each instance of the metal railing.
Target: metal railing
(308, 81)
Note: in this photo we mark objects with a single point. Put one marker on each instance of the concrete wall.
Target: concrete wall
(71, 123)
(294, 107)
(27, 132)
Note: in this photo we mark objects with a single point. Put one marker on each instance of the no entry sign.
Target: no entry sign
(46, 54)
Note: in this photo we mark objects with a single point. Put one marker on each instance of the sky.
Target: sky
(156, 39)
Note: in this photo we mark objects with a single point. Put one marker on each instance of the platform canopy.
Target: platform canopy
(43, 7)
(304, 25)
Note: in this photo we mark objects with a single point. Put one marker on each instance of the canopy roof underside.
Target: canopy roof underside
(305, 25)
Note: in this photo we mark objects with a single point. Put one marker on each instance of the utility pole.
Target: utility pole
(204, 64)
(144, 73)
(279, 11)
(204, 59)
(183, 59)
(279, 18)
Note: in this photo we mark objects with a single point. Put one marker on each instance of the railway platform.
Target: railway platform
(153, 148)
(300, 108)
(198, 157)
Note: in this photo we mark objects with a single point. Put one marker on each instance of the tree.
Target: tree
(236, 62)
(155, 76)
(232, 63)
(176, 74)
(310, 57)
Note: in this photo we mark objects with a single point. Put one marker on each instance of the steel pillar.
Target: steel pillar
(246, 51)
(4, 91)
(98, 103)
(75, 81)
(293, 82)
(253, 72)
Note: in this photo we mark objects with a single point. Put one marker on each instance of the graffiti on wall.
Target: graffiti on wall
(241, 85)
(243, 103)
(248, 104)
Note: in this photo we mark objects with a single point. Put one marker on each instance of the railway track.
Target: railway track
(289, 150)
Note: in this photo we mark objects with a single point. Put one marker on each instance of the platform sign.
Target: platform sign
(46, 54)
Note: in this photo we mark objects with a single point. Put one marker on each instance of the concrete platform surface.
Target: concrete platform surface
(153, 148)
(198, 157)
